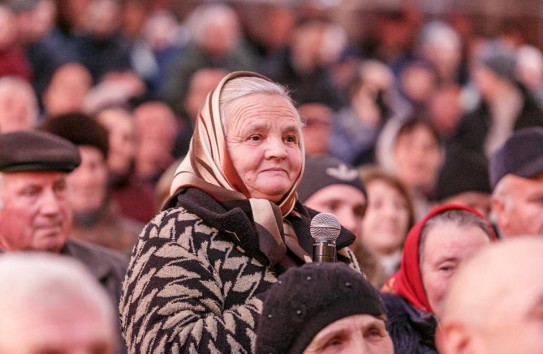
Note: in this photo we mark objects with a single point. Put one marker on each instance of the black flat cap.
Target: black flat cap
(520, 155)
(36, 151)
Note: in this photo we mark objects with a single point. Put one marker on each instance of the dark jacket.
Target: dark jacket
(195, 276)
(412, 331)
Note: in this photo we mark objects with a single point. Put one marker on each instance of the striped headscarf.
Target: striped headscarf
(208, 165)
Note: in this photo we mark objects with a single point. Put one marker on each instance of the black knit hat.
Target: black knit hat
(498, 58)
(321, 171)
(308, 298)
(36, 151)
(520, 155)
(463, 171)
(80, 129)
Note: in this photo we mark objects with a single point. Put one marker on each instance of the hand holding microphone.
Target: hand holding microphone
(324, 229)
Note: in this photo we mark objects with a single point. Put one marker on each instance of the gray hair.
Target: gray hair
(248, 85)
(460, 218)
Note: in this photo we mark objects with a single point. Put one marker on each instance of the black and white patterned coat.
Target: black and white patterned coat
(196, 278)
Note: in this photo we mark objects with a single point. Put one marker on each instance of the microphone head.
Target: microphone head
(324, 227)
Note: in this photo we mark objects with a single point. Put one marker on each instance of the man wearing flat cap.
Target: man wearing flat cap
(35, 214)
(516, 177)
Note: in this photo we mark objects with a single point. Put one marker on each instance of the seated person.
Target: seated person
(433, 250)
(320, 308)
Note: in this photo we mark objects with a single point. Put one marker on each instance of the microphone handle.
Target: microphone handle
(324, 252)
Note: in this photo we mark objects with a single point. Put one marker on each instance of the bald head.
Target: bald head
(495, 302)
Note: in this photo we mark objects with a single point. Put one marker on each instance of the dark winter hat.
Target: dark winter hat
(520, 155)
(80, 129)
(463, 171)
(308, 298)
(36, 151)
(321, 171)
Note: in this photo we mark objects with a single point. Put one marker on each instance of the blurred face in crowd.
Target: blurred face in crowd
(34, 211)
(317, 128)
(518, 205)
(418, 157)
(263, 138)
(346, 202)
(386, 222)
(18, 107)
(504, 314)
(445, 247)
(88, 182)
(122, 139)
(364, 334)
(67, 90)
(73, 327)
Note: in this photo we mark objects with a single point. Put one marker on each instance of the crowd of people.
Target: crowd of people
(175, 166)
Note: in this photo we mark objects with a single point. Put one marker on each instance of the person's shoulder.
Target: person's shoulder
(92, 254)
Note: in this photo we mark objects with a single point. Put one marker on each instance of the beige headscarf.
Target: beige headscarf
(208, 167)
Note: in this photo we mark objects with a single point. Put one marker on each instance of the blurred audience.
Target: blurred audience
(516, 178)
(96, 218)
(18, 105)
(434, 249)
(156, 126)
(389, 216)
(411, 149)
(52, 304)
(133, 197)
(318, 119)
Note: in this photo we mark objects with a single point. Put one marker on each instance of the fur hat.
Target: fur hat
(36, 151)
(308, 298)
(520, 155)
(322, 171)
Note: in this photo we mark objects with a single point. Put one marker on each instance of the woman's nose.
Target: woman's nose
(276, 148)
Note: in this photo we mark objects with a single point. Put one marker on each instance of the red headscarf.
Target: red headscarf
(407, 281)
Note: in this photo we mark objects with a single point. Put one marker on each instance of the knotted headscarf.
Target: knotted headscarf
(407, 281)
(208, 167)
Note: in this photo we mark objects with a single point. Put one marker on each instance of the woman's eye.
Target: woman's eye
(292, 139)
(254, 138)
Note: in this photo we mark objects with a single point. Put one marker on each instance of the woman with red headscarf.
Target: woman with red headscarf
(433, 250)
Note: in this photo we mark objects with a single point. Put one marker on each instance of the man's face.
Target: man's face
(35, 214)
(362, 334)
(519, 206)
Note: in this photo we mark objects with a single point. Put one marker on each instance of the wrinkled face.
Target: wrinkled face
(67, 330)
(88, 182)
(386, 221)
(362, 334)
(521, 210)
(263, 140)
(446, 246)
(418, 157)
(346, 202)
(36, 213)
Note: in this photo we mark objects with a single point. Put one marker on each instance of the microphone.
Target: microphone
(324, 229)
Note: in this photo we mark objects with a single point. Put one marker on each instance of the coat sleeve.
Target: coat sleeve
(174, 299)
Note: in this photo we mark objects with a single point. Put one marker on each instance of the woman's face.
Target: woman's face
(263, 140)
(445, 248)
(386, 222)
(418, 157)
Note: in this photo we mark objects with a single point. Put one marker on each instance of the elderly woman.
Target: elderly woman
(230, 227)
(433, 251)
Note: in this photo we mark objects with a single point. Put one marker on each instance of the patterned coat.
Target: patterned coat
(196, 278)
